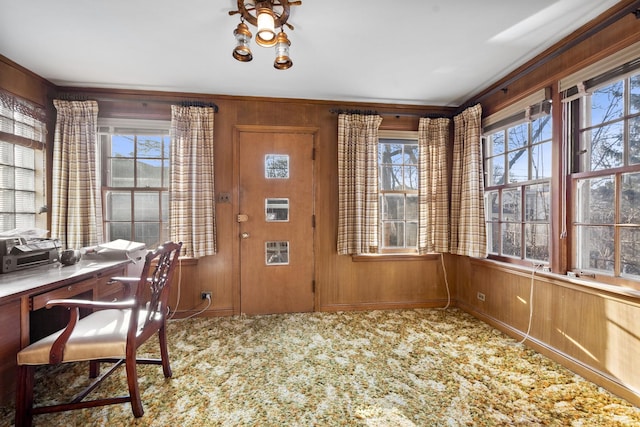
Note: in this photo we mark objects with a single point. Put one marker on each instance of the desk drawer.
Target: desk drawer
(69, 291)
(108, 290)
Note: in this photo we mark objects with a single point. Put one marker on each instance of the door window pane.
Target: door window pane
(276, 210)
(276, 166)
(277, 253)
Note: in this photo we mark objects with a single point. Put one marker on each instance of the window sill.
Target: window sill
(393, 257)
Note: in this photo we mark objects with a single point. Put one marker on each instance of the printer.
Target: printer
(17, 253)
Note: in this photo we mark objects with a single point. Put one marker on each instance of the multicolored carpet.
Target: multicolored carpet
(377, 368)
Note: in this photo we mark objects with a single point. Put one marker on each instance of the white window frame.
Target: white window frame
(531, 194)
(611, 265)
(107, 128)
(407, 137)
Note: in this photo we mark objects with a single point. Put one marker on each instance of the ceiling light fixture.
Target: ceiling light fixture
(266, 16)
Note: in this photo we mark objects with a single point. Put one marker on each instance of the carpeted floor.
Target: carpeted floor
(378, 368)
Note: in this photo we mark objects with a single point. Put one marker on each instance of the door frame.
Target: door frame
(237, 130)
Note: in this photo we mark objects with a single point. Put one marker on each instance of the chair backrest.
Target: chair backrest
(152, 293)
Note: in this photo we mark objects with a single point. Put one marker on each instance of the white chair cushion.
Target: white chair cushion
(102, 334)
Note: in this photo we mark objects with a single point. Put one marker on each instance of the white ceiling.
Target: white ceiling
(423, 52)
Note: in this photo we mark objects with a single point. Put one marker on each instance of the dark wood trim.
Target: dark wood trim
(146, 96)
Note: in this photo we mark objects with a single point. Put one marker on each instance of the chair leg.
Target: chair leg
(94, 369)
(164, 352)
(132, 381)
(24, 396)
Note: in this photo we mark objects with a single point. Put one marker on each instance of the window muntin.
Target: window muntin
(606, 179)
(136, 185)
(398, 193)
(517, 160)
(17, 187)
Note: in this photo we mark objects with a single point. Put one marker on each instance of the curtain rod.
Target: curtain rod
(69, 96)
(200, 104)
(397, 115)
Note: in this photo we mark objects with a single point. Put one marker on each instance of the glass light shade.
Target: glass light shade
(266, 36)
(242, 52)
(282, 61)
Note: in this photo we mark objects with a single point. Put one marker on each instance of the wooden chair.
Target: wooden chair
(111, 333)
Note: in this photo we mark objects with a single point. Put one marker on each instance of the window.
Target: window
(606, 177)
(22, 137)
(398, 189)
(517, 157)
(17, 187)
(135, 184)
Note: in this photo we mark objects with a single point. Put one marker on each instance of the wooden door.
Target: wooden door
(276, 222)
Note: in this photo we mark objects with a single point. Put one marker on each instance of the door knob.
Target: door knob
(245, 235)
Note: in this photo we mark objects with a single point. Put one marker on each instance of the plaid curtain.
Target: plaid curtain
(358, 183)
(192, 209)
(76, 212)
(468, 235)
(433, 190)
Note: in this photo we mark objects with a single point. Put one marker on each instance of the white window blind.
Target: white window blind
(623, 56)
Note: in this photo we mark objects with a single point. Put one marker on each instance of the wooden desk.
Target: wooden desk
(23, 295)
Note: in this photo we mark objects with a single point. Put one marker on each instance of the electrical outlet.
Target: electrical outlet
(481, 296)
(224, 198)
(205, 295)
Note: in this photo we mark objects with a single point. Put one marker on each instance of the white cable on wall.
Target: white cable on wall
(446, 281)
(533, 275)
(179, 286)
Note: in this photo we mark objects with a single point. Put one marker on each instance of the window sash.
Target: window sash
(135, 180)
(398, 191)
(517, 159)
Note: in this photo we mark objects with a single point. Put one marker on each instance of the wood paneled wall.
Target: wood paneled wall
(592, 331)
(589, 328)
